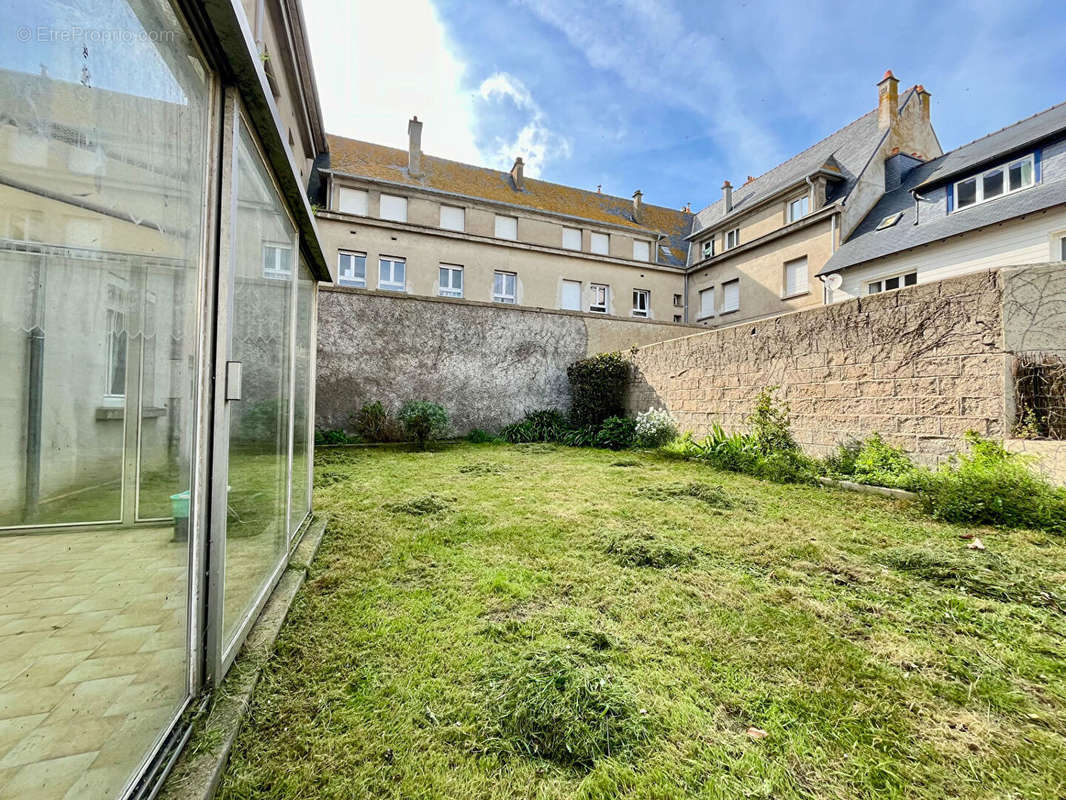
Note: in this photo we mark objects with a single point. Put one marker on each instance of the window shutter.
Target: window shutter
(1036, 164)
(951, 197)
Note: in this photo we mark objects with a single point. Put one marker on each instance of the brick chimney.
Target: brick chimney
(517, 175)
(414, 147)
(923, 103)
(887, 101)
(727, 196)
(638, 206)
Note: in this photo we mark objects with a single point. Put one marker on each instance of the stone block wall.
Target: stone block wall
(922, 366)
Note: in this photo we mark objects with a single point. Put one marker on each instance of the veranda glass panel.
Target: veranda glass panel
(301, 466)
(103, 149)
(263, 300)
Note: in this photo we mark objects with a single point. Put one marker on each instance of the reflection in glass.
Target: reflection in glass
(103, 148)
(301, 475)
(263, 300)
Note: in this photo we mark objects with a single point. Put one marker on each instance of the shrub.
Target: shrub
(584, 436)
(333, 436)
(875, 462)
(742, 452)
(617, 433)
(423, 422)
(479, 436)
(546, 425)
(554, 704)
(597, 386)
(991, 486)
(770, 424)
(373, 422)
(655, 428)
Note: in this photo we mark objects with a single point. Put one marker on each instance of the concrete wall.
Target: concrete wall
(920, 365)
(487, 364)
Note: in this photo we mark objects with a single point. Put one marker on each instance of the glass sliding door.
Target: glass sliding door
(261, 311)
(302, 398)
(104, 152)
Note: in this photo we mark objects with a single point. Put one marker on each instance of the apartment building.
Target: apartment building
(999, 201)
(405, 221)
(756, 252)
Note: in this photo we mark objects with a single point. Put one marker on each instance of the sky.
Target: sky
(670, 96)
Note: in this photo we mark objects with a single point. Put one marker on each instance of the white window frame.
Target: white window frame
(805, 202)
(642, 303)
(115, 328)
(1058, 246)
(727, 285)
(706, 310)
(708, 248)
(460, 216)
(732, 239)
(503, 230)
(604, 238)
(806, 283)
(449, 289)
(641, 250)
(562, 296)
(392, 285)
(601, 298)
(271, 268)
(355, 280)
(401, 207)
(571, 233)
(509, 298)
(979, 183)
(360, 206)
(900, 276)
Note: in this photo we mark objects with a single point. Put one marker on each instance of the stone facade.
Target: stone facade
(921, 366)
(487, 364)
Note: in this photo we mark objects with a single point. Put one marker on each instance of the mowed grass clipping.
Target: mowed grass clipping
(494, 621)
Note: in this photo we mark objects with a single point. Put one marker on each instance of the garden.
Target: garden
(659, 616)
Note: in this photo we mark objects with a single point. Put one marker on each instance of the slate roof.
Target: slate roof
(377, 162)
(844, 153)
(868, 243)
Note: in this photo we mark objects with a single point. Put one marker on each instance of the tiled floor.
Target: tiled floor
(92, 657)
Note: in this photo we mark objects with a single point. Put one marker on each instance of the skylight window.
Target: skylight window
(993, 183)
(889, 221)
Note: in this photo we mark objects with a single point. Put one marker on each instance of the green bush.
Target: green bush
(990, 486)
(423, 422)
(584, 436)
(873, 461)
(479, 436)
(655, 427)
(597, 387)
(546, 425)
(374, 423)
(770, 424)
(333, 436)
(617, 433)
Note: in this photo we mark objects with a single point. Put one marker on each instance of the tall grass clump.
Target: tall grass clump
(873, 461)
(546, 425)
(563, 706)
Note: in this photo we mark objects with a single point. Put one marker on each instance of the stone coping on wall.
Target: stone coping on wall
(461, 301)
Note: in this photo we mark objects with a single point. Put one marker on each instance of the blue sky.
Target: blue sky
(670, 97)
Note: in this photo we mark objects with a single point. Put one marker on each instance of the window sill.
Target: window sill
(352, 284)
(725, 311)
(108, 413)
(707, 317)
(794, 295)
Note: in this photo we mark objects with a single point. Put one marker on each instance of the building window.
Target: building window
(277, 261)
(599, 243)
(731, 295)
(505, 287)
(706, 303)
(677, 317)
(392, 274)
(351, 269)
(453, 218)
(732, 238)
(798, 208)
(115, 333)
(641, 250)
(708, 248)
(600, 298)
(1062, 248)
(394, 208)
(572, 238)
(641, 303)
(451, 281)
(678, 301)
(571, 300)
(353, 201)
(507, 228)
(1013, 177)
(796, 277)
(895, 282)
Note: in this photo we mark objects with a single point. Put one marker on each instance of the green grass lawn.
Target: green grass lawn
(491, 621)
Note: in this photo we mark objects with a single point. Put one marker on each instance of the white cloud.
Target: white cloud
(378, 63)
(535, 142)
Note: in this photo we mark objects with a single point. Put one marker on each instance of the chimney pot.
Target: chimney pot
(517, 174)
(887, 101)
(414, 147)
(638, 206)
(727, 196)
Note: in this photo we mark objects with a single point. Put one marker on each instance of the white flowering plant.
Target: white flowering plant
(655, 428)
